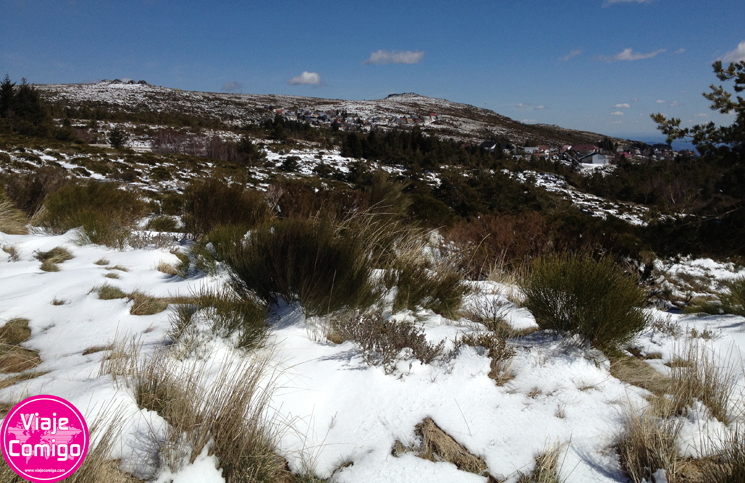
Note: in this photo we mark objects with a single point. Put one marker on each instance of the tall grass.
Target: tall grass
(594, 299)
(734, 302)
(224, 407)
(314, 263)
(106, 213)
(214, 202)
(12, 220)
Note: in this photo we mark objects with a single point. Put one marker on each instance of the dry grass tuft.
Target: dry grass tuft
(98, 466)
(230, 413)
(56, 301)
(701, 374)
(113, 276)
(50, 259)
(12, 220)
(498, 350)
(167, 268)
(144, 304)
(437, 445)
(118, 267)
(108, 292)
(649, 442)
(101, 261)
(546, 468)
(13, 357)
(97, 348)
(26, 376)
(13, 253)
(637, 372)
(728, 461)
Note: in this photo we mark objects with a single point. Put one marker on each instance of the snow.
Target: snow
(332, 408)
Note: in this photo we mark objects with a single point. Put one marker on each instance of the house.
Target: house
(595, 159)
(585, 149)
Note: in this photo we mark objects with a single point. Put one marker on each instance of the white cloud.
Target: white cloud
(736, 55)
(306, 78)
(660, 101)
(539, 108)
(571, 54)
(526, 121)
(232, 87)
(701, 115)
(617, 113)
(608, 3)
(680, 51)
(629, 54)
(675, 104)
(522, 106)
(625, 105)
(383, 57)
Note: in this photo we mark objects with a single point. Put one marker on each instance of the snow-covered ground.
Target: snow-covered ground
(334, 409)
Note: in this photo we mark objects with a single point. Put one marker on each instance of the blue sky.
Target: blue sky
(598, 65)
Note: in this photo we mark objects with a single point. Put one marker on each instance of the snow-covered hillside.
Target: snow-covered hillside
(335, 415)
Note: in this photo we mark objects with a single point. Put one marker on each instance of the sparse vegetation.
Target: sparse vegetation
(109, 292)
(498, 350)
(594, 299)
(381, 341)
(12, 251)
(12, 220)
(14, 357)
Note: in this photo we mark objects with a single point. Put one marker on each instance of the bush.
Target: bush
(596, 300)
(316, 263)
(213, 202)
(107, 214)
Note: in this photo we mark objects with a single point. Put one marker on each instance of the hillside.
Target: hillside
(461, 121)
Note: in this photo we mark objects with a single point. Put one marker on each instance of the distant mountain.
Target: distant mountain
(460, 121)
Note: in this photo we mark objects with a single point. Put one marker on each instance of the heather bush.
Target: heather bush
(106, 213)
(316, 263)
(595, 299)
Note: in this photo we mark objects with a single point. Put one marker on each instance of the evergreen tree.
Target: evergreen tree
(117, 137)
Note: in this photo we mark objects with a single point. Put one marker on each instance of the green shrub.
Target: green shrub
(316, 263)
(107, 214)
(213, 202)
(596, 300)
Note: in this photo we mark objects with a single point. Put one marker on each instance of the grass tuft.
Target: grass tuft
(546, 468)
(108, 292)
(12, 220)
(498, 350)
(167, 268)
(101, 261)
(144, 304)
(13, 357)
(226, 313)
(51, 258)
(13, 253)
(315, 263)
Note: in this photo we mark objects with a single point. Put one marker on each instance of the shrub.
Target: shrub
(596, 300)
(323, 268)
(106, 213)
(28, 191)
(210, 203)
(381, 340)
